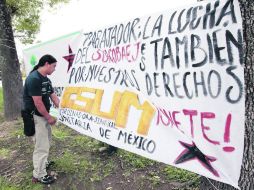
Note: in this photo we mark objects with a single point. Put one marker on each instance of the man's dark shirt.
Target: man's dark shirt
(37, 85)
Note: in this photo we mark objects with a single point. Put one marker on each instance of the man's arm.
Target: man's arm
(41, 108)
(55, 99)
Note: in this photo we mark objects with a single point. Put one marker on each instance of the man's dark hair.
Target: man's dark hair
(45, 58)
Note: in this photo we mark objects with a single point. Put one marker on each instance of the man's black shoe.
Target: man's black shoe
(47, 179)
(111, 150)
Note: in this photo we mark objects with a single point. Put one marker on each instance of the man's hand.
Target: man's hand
(51, 120)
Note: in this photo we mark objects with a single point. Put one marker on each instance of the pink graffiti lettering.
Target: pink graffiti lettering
(227, 134)
(174, 119)
(191, 113)
(167, 118)
(117, 54)
(207, 115)
(164, 117)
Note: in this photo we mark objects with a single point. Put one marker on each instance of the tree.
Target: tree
(23, 17)
(246, 181)
(26, 16)
(10, 69)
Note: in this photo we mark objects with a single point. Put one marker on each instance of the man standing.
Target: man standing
(36, 97)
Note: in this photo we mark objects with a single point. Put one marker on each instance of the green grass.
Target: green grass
(180, 175)
(60, 132)
(100, 169)
(154, 178)
(26, 184)
(83, 167)
(135, 160)
(4, 153)
(4, 185)
(19, 132)
(86, 143)
(67, 163)
(108, 168)
(1, 101)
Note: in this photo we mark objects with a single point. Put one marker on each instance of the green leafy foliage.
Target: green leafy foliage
(26, 16)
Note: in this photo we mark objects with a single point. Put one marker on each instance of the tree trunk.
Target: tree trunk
(9, 65)
(246, 181)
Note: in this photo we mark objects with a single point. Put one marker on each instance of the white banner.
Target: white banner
(168, 86)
